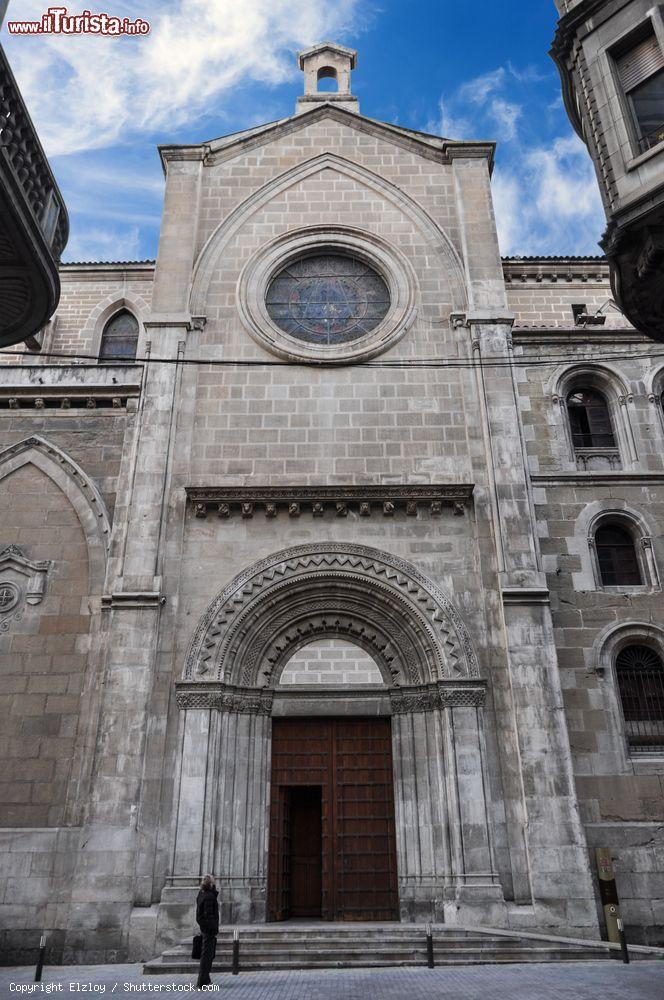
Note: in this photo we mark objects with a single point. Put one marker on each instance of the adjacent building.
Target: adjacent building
(34, 226)
(611, 61)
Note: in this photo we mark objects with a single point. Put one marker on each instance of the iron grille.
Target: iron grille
(641, 682)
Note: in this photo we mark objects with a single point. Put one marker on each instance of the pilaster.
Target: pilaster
(547, 814)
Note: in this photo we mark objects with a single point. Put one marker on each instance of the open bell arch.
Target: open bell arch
(380, 602)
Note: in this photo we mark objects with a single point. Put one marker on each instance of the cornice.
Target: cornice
(552, 270)
(339, 501)
(593, 479)
(245, 142)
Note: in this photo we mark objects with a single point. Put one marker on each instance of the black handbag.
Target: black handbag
(197, 946)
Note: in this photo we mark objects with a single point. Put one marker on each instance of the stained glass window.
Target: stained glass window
(120, 338)
(327, 299)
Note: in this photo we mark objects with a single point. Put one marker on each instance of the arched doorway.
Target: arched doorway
(332, 826)
(251, 735)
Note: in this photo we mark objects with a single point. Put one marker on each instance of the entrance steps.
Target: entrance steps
(297, 945)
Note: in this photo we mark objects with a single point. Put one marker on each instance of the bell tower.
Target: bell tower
(327, 61)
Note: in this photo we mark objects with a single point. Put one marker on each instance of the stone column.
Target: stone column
(237, 837)
(444, 857)
(539, 754)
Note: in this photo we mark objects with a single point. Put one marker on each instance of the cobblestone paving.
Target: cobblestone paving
(573, 981)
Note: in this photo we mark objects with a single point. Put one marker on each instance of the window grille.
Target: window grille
(640, 672)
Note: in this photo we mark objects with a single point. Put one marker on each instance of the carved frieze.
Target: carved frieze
(224, 698)
(431, 697)
(321, 501)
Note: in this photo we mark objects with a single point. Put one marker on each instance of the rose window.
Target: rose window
(327, 299)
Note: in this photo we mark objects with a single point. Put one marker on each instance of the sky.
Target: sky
(464, 70)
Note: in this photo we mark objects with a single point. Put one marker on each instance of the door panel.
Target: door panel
(350, 760)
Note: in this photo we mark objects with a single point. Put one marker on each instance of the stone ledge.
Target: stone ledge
(317, 500)
(145, 599)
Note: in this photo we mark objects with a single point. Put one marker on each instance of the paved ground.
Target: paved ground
(571, 981)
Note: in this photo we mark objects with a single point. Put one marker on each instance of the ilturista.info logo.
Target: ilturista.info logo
(59, 21)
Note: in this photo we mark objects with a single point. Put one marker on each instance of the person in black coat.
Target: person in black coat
(207, 918)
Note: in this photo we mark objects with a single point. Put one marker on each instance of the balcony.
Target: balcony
(652, 138)
(34, 226)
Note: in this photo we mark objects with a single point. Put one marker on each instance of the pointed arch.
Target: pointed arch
(79, 489)
(212, 253)
(407, 624)
(106, 309)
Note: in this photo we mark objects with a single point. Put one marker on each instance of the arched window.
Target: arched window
(590, 421)
(120, 338)
(640, 673)
(616, 556)
(328, 81)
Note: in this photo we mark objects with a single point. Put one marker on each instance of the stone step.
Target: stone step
(371, 947)
(357, 943)
(293, 962)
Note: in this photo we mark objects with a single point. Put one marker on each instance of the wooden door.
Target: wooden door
(280, 854)
(350, 762)
(365, 834)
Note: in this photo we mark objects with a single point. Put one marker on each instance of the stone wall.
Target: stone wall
(44, 654)
(331, 662)
(90, 294)
(621, 794)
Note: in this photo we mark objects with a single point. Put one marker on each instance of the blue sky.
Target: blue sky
(209, 67)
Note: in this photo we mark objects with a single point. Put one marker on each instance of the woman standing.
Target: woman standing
(207, 918)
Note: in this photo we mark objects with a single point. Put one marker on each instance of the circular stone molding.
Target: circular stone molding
(10, 595)
(388, 262)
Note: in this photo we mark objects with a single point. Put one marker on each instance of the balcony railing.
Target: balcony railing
(652, 139)
(34, 226)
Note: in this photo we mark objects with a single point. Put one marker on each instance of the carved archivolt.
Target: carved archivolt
(406, 623)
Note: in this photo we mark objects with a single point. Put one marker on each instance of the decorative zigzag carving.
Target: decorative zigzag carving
(410, 627)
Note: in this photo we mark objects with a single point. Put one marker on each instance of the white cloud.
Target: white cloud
(506, 115)
(477, 90)
(88, 92)
(547, 201)
(95, 243)
(546, 196)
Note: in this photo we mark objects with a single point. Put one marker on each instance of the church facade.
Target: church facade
(330, 556)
